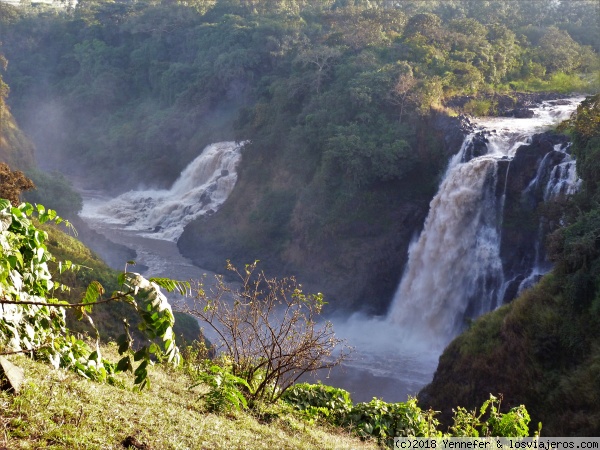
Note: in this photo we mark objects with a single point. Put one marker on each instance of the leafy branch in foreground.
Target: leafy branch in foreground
(32, 319)
(268, 331)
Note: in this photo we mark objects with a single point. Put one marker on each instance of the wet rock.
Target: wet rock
(526, 177)
(521, 113)
(478, 147)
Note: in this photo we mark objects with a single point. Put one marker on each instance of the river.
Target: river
(394, 356)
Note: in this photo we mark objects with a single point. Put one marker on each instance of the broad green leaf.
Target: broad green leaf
(92, 294)
(124, 365)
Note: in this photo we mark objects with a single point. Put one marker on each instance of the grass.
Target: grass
(558, 82)
(60, 410)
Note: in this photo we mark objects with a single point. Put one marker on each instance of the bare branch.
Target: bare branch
(268, 327)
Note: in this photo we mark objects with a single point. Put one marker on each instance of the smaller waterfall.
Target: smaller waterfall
(563, 179)
(553, 179)
(201, 188)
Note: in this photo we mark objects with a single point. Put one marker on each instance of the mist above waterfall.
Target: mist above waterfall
(201, 188)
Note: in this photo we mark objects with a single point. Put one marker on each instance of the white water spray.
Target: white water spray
(162, 214)
(454, 270)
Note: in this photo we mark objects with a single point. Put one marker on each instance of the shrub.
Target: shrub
(479, 108)
(320, 400)
(268, 331)
(384, 420)
(224, 393)
(514, 423)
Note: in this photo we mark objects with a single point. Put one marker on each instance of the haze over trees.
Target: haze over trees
(335, 97)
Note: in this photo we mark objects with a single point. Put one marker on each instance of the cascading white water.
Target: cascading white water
(162, 214)
(456, 258)
(563, 179)
(454, 270)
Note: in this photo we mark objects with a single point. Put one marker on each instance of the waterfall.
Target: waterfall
(201, 188)
(455, 270)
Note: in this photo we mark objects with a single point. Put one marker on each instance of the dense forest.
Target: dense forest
(338, 100)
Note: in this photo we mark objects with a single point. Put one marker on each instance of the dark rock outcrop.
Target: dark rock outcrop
(520, 113)
(523, 230)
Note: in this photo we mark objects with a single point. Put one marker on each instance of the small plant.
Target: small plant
(514, 423)
(224, 393)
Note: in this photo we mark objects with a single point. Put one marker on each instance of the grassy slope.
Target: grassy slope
(60, 410)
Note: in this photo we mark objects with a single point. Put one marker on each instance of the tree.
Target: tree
(321, 58)
(426, 24)
(12, 184)
(558, 51)
(268, 330)
(402, 93)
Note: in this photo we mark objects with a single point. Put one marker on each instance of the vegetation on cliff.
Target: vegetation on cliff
(333, 95)
(543, 349)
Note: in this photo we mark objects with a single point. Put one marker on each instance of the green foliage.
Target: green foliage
(32, 319)
(319, 400)
(224, 389)
(514, 423)
(384, 421)
(557, 82)
(479, 108)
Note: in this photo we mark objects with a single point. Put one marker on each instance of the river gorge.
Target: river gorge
(480, 245)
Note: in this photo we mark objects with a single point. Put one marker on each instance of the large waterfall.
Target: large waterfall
(162, 214)
(455, 270)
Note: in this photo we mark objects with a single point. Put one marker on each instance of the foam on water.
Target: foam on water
(162, 214)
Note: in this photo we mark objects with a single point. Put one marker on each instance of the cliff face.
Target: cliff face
(15, 149)
(357, 268)
(528, 187)
(356, 260)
